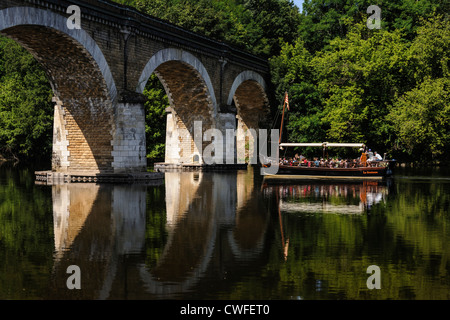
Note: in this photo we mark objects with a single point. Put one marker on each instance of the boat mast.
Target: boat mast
(282, 117)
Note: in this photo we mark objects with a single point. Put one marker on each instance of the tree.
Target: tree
(324, 20)
(292, 72)
(278, 21)
(343, 93)
(430, 48)
(259, 26)
(26, 110)
(361, 87)
(420, 117)
(358, 77)
(155, 118)
(421, 120)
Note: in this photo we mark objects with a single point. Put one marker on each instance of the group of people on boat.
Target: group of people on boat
(367, 159)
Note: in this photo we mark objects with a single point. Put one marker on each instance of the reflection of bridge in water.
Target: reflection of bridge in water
(212, 221)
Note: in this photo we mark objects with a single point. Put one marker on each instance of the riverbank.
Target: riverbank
(420, 164)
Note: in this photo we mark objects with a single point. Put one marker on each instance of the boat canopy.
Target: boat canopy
(324, 144)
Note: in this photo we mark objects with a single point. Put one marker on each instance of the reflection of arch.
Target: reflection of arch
(179, 192)
(185, 258)
(67, 223)
(247, 245)
(94, 226)
(155, 285)
(110, 229)
(84, 236)
(246, 240)
(82, 83)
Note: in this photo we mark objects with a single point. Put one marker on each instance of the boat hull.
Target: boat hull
(353, 172)
(286, 172)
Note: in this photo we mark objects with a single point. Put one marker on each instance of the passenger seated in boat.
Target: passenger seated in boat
(330, 163)
(283, 161)
(377, 156)
(370, 155)
(316, 162)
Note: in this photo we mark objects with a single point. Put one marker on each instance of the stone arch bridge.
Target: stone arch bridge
(98, 73)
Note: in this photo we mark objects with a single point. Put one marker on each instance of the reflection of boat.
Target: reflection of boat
(312, 197)
(342, 198)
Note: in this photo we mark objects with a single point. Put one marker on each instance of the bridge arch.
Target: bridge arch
(174, 54)
(244, 76)
(82, 83)
(191, 96)
(20, 16)
(248, 92)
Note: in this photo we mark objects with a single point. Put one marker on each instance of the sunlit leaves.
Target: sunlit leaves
(360, 88)
(26, 112)
(421, 119)
(155, 118)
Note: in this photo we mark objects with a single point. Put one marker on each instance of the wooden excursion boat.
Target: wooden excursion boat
(362, 169)
(365, 167)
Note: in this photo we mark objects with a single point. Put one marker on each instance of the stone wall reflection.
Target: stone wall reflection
(212, 221)
(94, 226)
(200, 206)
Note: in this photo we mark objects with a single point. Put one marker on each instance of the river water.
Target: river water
(224, 236)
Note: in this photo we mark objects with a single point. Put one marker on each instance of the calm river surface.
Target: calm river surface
(226, 236)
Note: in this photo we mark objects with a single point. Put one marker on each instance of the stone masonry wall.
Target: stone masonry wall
(129, 149)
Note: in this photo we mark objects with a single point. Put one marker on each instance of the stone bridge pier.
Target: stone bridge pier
(98, 57)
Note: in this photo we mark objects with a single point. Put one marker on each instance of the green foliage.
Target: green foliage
(26, 234)
(292, 72)
(430, 49)
(421, 119)
(155, 119)
(371, 86)
(26, 112)
(256, 26)
(278, 21)
(357, 78)
(323, 20)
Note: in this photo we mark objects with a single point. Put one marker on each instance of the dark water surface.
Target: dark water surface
(226, 236)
